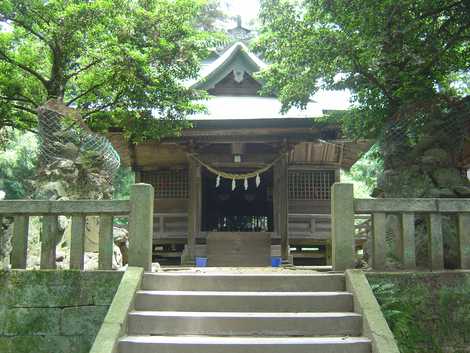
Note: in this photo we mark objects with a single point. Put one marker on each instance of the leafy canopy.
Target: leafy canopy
(394, 55)
(18, 157)
(115, 60)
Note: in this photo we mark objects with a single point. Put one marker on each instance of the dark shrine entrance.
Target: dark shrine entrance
(239, 210)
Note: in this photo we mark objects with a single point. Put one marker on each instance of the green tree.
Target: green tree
(399, 59)
(18, 159)
(115, 60)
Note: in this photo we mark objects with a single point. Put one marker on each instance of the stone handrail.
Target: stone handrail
(345, 207)
(374, 325)
(139, 210)
(115, 323)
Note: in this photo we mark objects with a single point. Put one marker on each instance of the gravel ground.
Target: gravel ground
(287, 269)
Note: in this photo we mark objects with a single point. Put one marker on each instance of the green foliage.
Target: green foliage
(395, 311)
(397, 57)
(104, 57)
(425, 314)
(122, 182)
(364, 173)
(17, 164)
(456, 301)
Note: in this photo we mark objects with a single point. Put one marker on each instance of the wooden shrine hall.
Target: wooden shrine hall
(245, 182)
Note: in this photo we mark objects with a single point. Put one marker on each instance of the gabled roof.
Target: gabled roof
(237, 58)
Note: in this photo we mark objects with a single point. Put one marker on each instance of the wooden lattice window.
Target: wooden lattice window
(168, 184)
(310, 184)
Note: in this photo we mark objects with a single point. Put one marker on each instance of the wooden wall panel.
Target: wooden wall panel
(170, 205)
(158, 156)
(229, 86)
(310, 206)
(315, 152)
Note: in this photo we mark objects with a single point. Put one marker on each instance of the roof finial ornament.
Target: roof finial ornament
(239, 21)
(240, 33)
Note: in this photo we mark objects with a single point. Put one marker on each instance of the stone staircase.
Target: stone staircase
(244, 313)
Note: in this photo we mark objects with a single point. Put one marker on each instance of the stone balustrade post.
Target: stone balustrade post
(141, 226)
(342, 226)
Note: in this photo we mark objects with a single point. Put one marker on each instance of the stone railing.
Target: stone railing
(139, 210)
(345, 207)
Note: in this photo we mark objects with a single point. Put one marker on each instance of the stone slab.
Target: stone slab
(244, 249)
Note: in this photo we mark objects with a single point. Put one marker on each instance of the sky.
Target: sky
(247, 9)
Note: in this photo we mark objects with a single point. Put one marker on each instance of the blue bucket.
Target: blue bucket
(201, 261)
(276, 261)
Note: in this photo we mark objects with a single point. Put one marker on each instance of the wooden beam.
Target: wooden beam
(194, 207)
(281, 204)
(251, 132)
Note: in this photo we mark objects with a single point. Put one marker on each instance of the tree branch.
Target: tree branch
(24, 68)
(104, 106)
(26, 109)
(455, 39)
(372, 79)
(440, 10)
(26, 27)
(21, 99)
(28, 99)
(5, 123)
(85, 93)
(79, 71)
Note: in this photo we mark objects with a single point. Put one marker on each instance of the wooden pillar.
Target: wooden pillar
(137, 176)
(194, 209)
(281, 204)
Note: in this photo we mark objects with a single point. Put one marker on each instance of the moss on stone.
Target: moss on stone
(53, 311)
(82, 320)
(31, 321)
(43, 344)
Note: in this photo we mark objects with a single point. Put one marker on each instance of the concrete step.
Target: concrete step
(244, 301)
(322, 282)
(244, 324)
(195, 344)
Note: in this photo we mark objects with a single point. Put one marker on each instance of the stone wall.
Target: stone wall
(428, 312)
(53, 311)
